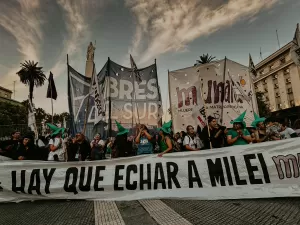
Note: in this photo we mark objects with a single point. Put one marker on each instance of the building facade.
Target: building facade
(278, 78)
(5, 96)
(5, 93)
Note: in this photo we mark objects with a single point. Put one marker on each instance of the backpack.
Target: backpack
(175, 145)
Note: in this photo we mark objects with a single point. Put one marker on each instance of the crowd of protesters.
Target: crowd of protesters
(57, 146)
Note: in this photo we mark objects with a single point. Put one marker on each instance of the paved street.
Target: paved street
(283, 211)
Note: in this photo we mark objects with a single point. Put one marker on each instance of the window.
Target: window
(279, 106)
(276, 86)
(288, 80)
(265, 81)
(277, 95)
(290, 90)
(275, 77)
(292, 103)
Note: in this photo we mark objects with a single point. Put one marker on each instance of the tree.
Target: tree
(205, 58)
(263, 108)
(31, 75)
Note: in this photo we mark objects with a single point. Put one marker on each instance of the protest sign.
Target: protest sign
(263, 170)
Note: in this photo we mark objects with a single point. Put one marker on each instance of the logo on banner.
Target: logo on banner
(186, 93)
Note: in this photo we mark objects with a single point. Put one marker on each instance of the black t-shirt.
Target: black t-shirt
(216, 142)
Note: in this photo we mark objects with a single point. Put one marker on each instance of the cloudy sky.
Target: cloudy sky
(175, 32)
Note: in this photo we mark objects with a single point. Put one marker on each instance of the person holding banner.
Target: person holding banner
(215, 136)
(190, 141)
(239, 135)
(164, 142)
(144, 141)
(260, 134)
(57, 152)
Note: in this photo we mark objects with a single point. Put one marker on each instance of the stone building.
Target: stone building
(278, 77)
(5, 96)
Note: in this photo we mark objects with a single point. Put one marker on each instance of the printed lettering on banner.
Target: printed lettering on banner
(261, 171)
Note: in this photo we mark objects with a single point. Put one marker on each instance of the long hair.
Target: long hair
(297, 124)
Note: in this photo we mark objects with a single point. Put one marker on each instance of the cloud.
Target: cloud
(172, 25)
(78, 17)
(22, 20)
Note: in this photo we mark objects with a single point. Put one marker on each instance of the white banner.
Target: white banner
(236, 96)
(263, 170)
(185, 99)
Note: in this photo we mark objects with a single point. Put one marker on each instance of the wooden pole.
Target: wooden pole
(206, 116)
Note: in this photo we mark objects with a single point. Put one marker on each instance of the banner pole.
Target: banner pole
(109, 100)
(159, 97)
(223, 90)
(88, 101)
(170, 101)
(133, 82)
(204, 105)
(51, 101)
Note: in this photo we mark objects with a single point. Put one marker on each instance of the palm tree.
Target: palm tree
(31, 75)
(205, 59)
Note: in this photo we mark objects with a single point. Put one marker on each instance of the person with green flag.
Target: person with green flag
(239, 135)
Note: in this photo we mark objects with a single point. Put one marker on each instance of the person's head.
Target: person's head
(80, 137)
(143, 128)
(212, 122)
(97, 137)
(238, 126)
(261, 126)
(25, 141)
(283, 126)
(297, 124)
(15, 135)
(182, 134)
(190, 130)
(177, 136)
(270, 121)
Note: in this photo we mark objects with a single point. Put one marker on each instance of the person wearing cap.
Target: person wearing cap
(57, 152)
(260, 133)
(239, 135)
(165, 142)
(122, 146)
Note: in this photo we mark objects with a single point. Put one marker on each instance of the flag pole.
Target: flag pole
(88, 101)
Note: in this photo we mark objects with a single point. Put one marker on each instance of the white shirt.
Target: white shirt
(193, 143)
(60, 152)
(101, 142)
(287, 133)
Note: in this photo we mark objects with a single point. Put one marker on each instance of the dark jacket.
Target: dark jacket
(83, 149)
